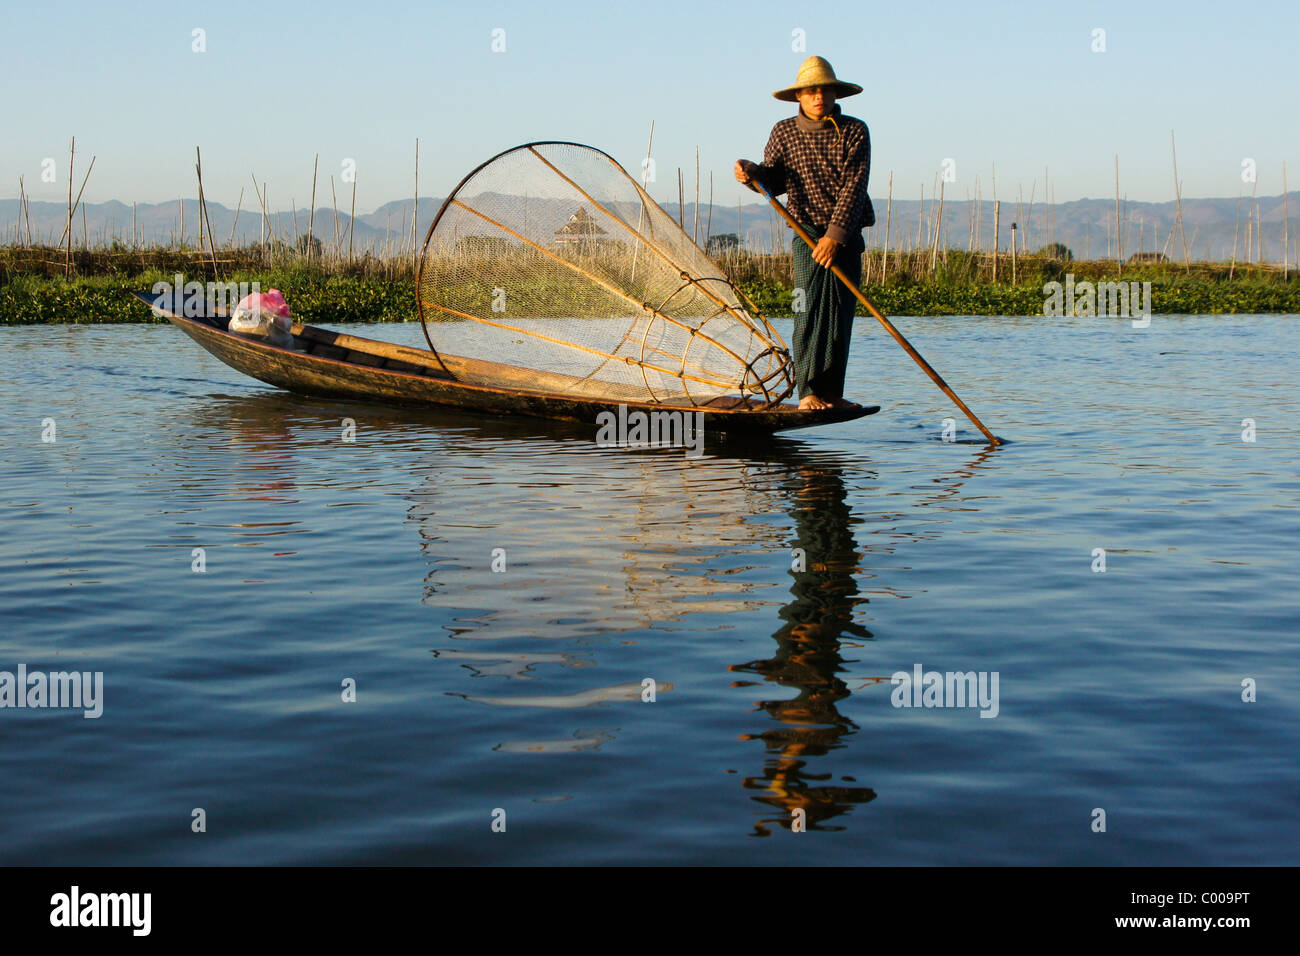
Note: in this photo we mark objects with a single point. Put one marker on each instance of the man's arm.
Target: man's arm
(853, 208)
(772, 171)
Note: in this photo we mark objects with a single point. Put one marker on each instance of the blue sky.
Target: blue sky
(1013, 84)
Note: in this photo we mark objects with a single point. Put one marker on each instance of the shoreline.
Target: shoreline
(34, 291)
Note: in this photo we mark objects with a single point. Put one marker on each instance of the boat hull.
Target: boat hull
(335, 365)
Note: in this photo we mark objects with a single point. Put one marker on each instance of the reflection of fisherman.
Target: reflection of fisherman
(822, 159)
(807, 728)
(808, 659)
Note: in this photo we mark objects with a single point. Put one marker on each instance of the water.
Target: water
(521, 690)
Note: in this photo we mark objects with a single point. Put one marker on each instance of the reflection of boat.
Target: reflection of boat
(333, 364)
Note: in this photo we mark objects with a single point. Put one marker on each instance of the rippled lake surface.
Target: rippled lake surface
(331, 564)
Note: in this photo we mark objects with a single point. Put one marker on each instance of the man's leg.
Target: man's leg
(823, 329)
(829, 384)
(810, 330)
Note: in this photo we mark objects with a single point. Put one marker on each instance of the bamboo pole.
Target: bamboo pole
(261, 232)
(134, 243)
(695, 228)
(997, 235)
(931, 222)
(649, 146)
(1250, 229)
(1020, 212)
(77, 202)
(1259, 230)
(1029, 212)
(970, 224)
(1178, 195)
(203, 216)
(1119, 241)
(604, 284)
(22, 212)
(1286, 229)
(415, 209)
(1014, 230)
(1051, 216)
(1125, 221)
(1235, 233)
(681, 201)
(708, 226)
(889, 215)
(898, 336)
(934, 251)
(645, 173)
(352, 216)
(1259, 255)
(199, 175)
(334, 199)
(920, 216)
(1047, 208)
(654, 247)
(626, 359)
(238, 207)
(994, 181)
(311, 213)
(72, 209)
(67, 259)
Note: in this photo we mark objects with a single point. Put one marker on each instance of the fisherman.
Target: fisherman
(821, 159)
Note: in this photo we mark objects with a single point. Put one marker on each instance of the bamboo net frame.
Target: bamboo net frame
(597, 294)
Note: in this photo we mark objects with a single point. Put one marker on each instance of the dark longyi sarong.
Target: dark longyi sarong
(822, 330)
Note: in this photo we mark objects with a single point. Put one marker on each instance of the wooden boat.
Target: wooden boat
(332, 364)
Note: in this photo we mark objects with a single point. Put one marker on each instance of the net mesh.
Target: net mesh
(550, 268)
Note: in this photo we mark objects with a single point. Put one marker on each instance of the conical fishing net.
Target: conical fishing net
(549, 268)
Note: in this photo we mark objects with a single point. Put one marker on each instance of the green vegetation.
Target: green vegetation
(33, 288)
(314, 297)
(961, 283)
(1056, 250)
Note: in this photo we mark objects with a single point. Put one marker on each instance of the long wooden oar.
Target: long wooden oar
(889, 327)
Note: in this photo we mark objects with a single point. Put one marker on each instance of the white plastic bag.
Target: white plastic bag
(264, 316)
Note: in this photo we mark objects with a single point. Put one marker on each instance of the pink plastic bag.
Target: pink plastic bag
(267, 302)
(264, 315)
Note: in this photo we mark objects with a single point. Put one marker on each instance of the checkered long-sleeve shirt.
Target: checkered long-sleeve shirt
(823, 165)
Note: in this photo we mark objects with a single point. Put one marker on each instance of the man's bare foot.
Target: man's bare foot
(813, 402)
(845, 403)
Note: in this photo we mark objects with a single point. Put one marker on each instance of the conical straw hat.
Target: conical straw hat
(815, 71)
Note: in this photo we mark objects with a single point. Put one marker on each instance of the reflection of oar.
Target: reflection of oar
(898, 336)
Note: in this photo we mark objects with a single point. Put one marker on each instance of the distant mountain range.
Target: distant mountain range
(1086, 226)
